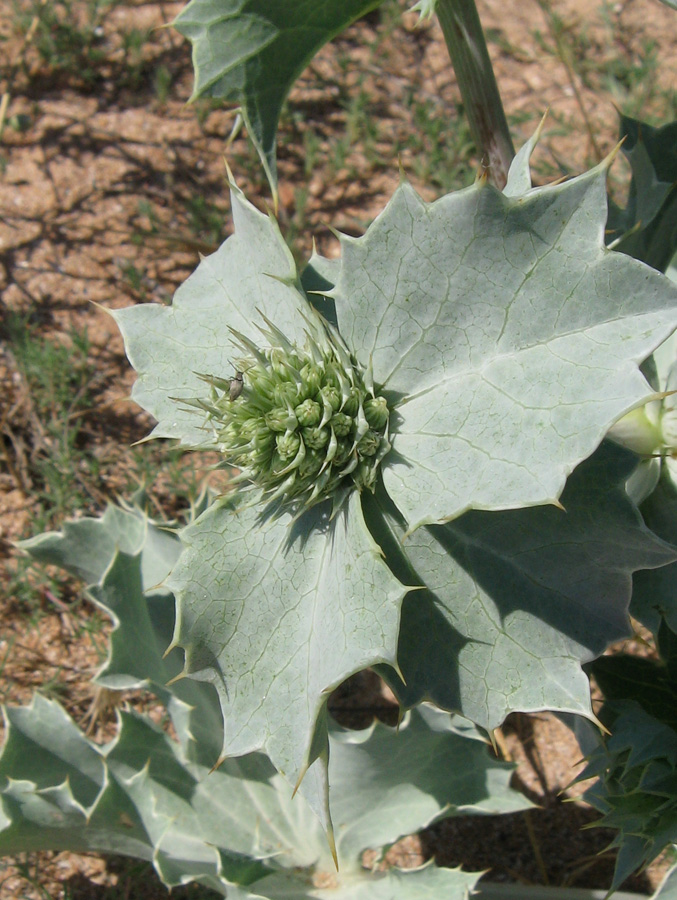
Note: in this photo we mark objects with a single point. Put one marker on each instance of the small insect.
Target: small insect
(236, 385)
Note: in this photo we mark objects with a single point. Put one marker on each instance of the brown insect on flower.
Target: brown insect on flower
(236, 385)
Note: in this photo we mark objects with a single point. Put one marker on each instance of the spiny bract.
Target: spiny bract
(303, 424)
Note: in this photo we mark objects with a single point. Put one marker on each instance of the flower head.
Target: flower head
(304, 424)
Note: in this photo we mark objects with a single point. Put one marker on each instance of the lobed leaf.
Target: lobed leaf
(515, 601)
(125, 556)
(86, 547)
(253, 272)
(250, 52)
(237, 829)
(637, 784)
(507, 334)
(275, 615)
(647, 228)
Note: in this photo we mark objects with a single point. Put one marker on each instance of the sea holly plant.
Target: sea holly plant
(475, 351)
(420, 484)
(237, 828)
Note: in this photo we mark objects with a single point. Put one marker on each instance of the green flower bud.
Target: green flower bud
(368, 444)
(260, 456)
(364, 475)
(331, 397)
(287, 445)
(376, 412)
(248, 429)
(280, 362)
(279, 419)
(341, 423)
(342, 455)
(309, 413)
(311, 465)
(352, 404)
(311, 377)
(315, 438)
(286, 392)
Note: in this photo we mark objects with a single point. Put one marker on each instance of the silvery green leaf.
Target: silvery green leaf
(237, 829)
(253, 272)
(250, 52)
(516, 601)
(54, 783)
(125, 556)
(424, 8)
(654, 594)
(134, 803)
(519, 174)
(317, 279)
(86, 547)
(143, 628)
(667, 890)
(275, 616)
(647, 228)
(508, 334)
(448, 774)
(42, 739)
(427, 883)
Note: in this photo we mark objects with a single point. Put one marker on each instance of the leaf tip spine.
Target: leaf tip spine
(219, 762)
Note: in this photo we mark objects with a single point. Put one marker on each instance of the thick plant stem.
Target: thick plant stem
(469, 55)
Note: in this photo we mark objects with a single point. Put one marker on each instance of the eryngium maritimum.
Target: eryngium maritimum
(303, 424)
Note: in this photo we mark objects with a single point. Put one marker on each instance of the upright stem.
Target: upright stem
(470, 58)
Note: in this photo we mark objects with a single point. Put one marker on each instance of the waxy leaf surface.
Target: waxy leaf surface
(253, 272)
(124, 557)
(237, 829)
(517, 600)
(508, 332)
(647, 227)
(276, 615)
(654, 593)
(250, 52)
(668, 887)
(86, 547)
(454, 775)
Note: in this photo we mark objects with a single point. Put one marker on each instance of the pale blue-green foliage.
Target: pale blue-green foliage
(99, 552)
(275, 615)
(236, 829)
(516, 600)
(504, 323)
(635, 764)
(647, 227)
(667, 890)
(250, 52)
(507, 339)
(252, 273)
(425, 8)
